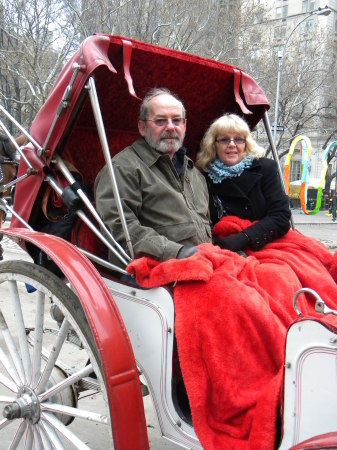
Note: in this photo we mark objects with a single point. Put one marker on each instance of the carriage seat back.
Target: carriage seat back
(84, 238)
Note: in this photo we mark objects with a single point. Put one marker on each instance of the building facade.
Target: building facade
(303, 37)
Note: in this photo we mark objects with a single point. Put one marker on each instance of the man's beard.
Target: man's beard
(162, 145)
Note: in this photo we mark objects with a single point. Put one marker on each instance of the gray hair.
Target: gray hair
(144, 107)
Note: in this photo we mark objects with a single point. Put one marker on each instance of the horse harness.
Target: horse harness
(5, 160)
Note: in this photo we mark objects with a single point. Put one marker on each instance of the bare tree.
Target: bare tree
(307, 103)
(37, 37)
(35, 41)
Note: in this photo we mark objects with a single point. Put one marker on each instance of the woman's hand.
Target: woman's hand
(234, 243)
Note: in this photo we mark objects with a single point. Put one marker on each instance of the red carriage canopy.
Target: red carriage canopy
(124, 70)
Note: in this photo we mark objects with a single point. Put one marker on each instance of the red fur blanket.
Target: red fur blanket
(232, 316)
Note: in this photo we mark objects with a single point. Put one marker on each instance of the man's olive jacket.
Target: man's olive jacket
(163, 212)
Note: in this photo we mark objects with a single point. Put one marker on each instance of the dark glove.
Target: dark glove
(185, 252)
(234, 243)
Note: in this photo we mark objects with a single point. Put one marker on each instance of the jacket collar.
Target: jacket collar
(235, 187)
(150, 156)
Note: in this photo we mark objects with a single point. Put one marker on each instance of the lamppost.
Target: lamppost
(319, 12)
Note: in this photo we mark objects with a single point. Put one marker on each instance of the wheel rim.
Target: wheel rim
(51, 389)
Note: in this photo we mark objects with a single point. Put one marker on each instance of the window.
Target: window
(258, 16)
(281, 12)
(280, 31)
(305, 45)
(256, 38)
(278, 50)
(256, 54)
(308, 5)
(304, 64)
(226, 4)
(308, 26)
(295, 170)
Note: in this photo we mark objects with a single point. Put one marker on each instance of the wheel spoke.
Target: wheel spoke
(27, 364)
(8, 383)
(39, 321)
(66, 382)
(45, 367)
(61, 337)
(18, 435)
(46, 443)
(4, 423)
(6, 399)
(11, 347)
(37, 445)
(66, 432)
(75, 412)
(54, 439)
(29, 438)
(9, 367)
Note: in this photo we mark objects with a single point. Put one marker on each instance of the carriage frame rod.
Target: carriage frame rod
(20, 127)
(91, 86)
(13, 141)
(58, 189)
(4, 187)
(68, 175)
(275, 156)
(64, 103)
(102, 262)
(10, 209)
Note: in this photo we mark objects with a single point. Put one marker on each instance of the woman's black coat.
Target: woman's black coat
(257, 194)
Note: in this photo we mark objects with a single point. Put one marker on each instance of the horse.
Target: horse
(9, 161)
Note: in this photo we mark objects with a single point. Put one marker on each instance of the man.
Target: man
(164, 197)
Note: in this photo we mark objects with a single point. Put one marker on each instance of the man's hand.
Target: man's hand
(186, 252)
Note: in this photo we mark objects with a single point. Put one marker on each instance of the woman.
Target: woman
(243, 183)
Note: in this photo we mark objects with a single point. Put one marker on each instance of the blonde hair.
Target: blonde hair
(228, 123)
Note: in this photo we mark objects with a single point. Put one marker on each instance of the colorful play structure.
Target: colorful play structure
(305, 151)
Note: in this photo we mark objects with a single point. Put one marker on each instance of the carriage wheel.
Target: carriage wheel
(52, 392)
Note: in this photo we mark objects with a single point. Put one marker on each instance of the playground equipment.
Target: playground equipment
(305, 151)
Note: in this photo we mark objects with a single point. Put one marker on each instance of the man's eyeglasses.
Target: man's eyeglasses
(227, 141)
(163, 122)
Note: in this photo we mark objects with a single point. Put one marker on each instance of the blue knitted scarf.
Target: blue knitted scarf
(218, 171)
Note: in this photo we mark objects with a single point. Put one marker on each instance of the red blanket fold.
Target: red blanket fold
(232, 316)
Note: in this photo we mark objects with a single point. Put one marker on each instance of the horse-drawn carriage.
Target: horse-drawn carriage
(76, 338)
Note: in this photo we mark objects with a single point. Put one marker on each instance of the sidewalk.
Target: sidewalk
(300, 217)
(319, 226)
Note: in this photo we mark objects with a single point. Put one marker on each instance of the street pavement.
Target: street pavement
(319, 226)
